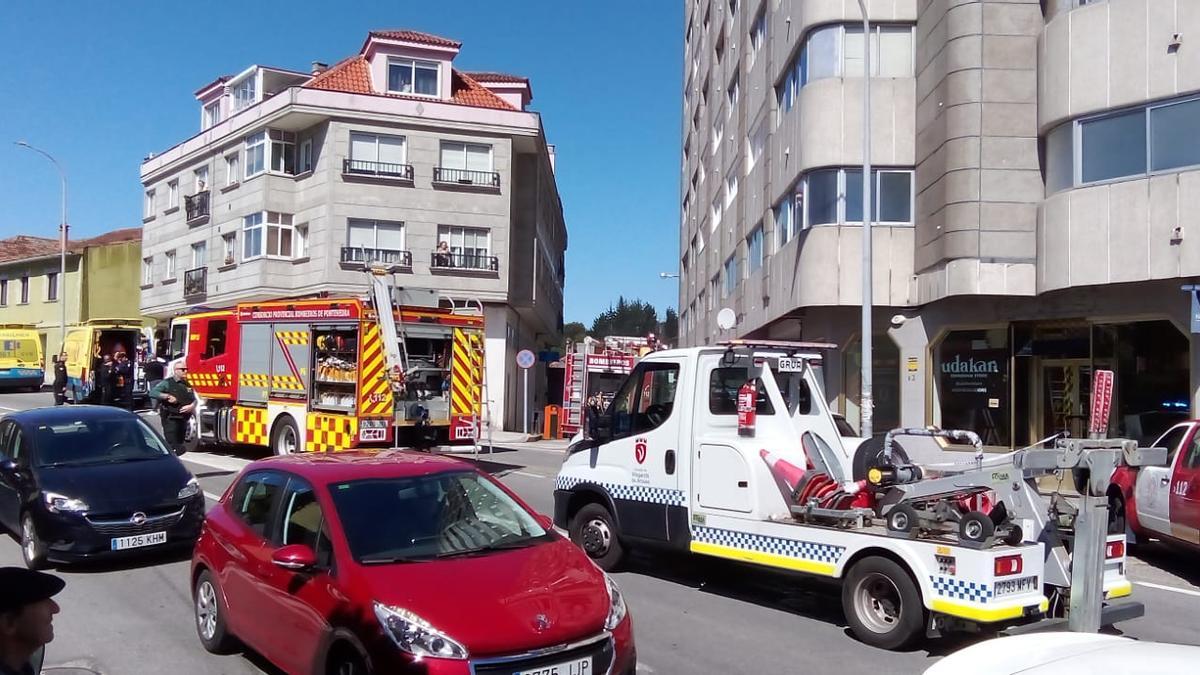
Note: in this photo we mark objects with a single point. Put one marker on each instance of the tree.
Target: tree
(628, 317)
(670, 328)
(574, 332)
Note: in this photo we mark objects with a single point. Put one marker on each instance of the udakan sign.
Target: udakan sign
(971, 366)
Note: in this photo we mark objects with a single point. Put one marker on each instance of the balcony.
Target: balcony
(366, 169)
(467, 262)
(196, 207)
(465, 178)
(195, 283)
(357, 256)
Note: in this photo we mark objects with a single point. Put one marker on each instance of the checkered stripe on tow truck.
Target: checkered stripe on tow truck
(762, 543)
(972, 591)
(636, 493)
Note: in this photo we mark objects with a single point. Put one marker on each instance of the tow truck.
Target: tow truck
(731, 451)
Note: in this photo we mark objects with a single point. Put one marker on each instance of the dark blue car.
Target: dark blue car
(84, 482)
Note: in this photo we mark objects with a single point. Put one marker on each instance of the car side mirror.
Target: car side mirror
(601, 430)
(294, 557)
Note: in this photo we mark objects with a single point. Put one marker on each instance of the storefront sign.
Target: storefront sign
(1102, 390)
(298, 313)
(912, 364)
(979, 373)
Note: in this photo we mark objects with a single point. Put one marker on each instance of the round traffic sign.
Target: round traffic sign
(525, 358)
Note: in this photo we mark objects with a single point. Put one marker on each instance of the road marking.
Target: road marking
(4, 407)
(221, 462)
(215, 498)
(530, 475)
(1161, 587)
(644, 668)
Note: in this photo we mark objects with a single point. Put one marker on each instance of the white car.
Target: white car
(1066, 654)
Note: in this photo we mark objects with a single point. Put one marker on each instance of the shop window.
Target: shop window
(972, 378)
(1150, 360)
(885, 382)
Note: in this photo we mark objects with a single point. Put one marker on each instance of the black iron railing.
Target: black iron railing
(465, 261)
(383, 256)
(362, 167)
(464, 177)
(196, 206)
(195, 282)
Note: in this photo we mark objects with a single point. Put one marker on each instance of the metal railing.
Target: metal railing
(442, 174)
(385, 256)
(464, 261)
(195, 282)
(196, 206)
(362, 167)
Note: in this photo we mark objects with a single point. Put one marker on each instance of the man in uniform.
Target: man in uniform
(124, 383)
(176, 401)
(27, 612)
(60, 378)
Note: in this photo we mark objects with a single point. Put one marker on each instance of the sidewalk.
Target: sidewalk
(511, 440)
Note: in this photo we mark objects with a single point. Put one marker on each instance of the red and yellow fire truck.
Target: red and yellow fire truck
(315, 374)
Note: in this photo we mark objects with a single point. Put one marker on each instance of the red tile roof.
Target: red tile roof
(26, 247)
(492, 76)
(416, 36)
(353, 75)
(122, 236)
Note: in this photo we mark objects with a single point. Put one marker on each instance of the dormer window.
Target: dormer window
(412, 76)
(245, 94)
(212, 114)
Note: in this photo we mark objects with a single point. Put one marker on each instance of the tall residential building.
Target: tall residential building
(1034, 169)
(393, 155)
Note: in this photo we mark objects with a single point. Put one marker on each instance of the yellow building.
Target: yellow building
(101, 282)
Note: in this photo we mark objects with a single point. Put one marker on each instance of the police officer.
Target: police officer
(107, 377)
(176, 401)
(60, 378)
(124, 383)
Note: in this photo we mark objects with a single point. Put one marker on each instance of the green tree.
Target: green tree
(628, 317)
(670, 328)
(574, 332)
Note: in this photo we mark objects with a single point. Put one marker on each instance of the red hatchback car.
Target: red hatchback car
(396, 562)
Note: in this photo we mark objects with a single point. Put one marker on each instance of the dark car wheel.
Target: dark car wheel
(210, 616)
(594, 530)
(32, 550)
(347, 662)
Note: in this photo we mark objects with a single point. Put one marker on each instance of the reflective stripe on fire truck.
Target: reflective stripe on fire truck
(330, 432)
(250, 425)
(465, 373)
(288, 382)
(199, 380)
(292, 337)
(253, 380)
(375, 392)
(792, 554)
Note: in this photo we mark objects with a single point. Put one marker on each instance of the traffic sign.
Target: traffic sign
(526, 358)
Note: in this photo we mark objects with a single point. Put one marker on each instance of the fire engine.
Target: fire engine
(328, 374)
(595, 368)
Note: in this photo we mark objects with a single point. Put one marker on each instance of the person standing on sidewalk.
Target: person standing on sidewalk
(60, 378)
(124, 369)
(176, 401)
(27, 610)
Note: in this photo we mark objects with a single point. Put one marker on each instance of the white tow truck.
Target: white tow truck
(673, 463)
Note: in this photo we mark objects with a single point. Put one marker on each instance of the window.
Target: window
(718, 133)
(303, 523)
(200, 179)
(757, 32)
(715, 213)
(836, 51)
(252, 236)
(300, 241)
(410, 76)
(3, 292)
(245, 92)
(731, 93)
(723, 387)
(280, 235)
(731, 188)
(835, 196)
(714, 290)
(212, 114)
(256, 149)
(283, 152)
(170, 257)
(470, 247)
(1175, 135)
(232, 171)
(214, 346)
(1060, 158)
(305, 162)
(646, 400)
(380, 154)
(147, 271)
(1114, 146)
(720, 48)
(785, 220)
(375, 234)
(254, 500)
(24, 290)
(172, 194)
(199, 254)
(754, 249)
(51, 286)
(148, 205)
(732, 278)
(756, 142)
(699, 241)
(229, 248)
(1171, 441)
(972, 382)
(466, 156)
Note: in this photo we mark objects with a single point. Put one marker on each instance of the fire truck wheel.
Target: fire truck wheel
(975, 526)
(902, 518)
(594, 530)
(882, 605)
(285, 440)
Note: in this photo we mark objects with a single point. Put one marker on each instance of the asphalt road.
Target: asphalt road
(691, 615)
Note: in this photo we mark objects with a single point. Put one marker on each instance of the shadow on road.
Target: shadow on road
(1169, 559)
(125, 563)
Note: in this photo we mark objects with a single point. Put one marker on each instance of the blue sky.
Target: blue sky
(102, 84)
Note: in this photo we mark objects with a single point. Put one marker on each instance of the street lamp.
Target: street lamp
(667, 275)
(866, 399)
(62, 235)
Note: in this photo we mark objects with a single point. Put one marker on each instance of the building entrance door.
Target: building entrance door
(1066, 394)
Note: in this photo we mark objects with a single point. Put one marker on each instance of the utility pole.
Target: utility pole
(866, 399)
(62, 236)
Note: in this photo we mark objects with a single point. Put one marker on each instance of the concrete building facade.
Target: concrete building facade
(1036, 163)
(297, 180)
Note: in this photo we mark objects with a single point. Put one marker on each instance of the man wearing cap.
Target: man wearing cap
(27, 612)
(176, 400)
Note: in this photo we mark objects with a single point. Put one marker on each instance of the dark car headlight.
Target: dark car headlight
(190, 490)
(63, 504)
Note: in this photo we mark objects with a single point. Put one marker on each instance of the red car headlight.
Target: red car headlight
(415, 635)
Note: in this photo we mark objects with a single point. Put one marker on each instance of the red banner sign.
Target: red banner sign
(310, 313)
(1102, 391)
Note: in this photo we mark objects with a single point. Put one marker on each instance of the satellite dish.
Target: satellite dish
(726, 319)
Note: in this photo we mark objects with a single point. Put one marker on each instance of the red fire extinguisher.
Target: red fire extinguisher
(745, 407)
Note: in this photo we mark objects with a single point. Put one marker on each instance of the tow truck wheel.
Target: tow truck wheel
(882, 605)
(976, 526)
(285, 440)
(594, 530)
(902, 518)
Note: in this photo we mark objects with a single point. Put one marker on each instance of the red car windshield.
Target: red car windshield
(441, 515)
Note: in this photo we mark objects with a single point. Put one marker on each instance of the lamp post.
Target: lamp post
(667, 275)
(62, 236)
(866, 399)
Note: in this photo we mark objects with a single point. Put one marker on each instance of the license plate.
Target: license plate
(1014, 586)
(466, 433)
(577, 667)
(372, 434)
(788, 364)
(138, 541)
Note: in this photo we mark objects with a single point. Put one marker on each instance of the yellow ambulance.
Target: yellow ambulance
(22, 365)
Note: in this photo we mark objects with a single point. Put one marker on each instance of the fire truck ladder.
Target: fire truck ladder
(395, 348)
(578, 363)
